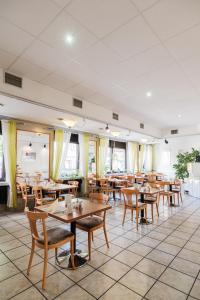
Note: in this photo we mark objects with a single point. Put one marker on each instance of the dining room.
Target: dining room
(99, 150)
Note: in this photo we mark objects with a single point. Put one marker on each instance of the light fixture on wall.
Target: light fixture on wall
(166, 141)
(107, 129)
(70, 123)
(115, 133)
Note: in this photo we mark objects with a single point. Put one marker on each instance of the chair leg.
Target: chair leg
(157, 209)
(92, 236)
(105, 234)
(178, 198)
(131, 214)
(145, 211)
(181, 197)
(31, 256)
(152, 213)
(163, 200)
(45, 268)
(124, 216)
(89, 244)
(137, 216)
(72, 253)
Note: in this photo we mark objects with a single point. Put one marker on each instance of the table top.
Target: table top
(89, 207)
(56, 187)
(143, 190)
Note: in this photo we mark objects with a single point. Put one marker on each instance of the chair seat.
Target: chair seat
(55, 235)
(90, 222)
(150, 200)
(140, 205)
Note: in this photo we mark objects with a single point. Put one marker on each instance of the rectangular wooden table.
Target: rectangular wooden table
(89, 207)
(57, 187)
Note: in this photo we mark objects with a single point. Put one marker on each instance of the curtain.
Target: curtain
(148, 163)
(135, 150)
(142, 154)
(58, 147)
(66, 141)
(84, 139)
(154, 157)
(129, 155)
(9, 133)
(103, 148)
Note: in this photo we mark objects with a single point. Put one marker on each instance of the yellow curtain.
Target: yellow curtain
(58, 146)
(135, 151)
(141, 157)
(103, 146)
(12, 157)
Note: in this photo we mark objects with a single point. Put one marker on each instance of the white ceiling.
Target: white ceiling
(122, 49)
(49, 118)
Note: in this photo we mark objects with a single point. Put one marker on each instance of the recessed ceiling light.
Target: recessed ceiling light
(144, 140)
(179, 116)
(1, 104)
(115, 133)
(70, 123)
(69, 39)
(149, 94)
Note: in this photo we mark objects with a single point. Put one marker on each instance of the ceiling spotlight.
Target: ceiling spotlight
(149, 94)
(115, 133)
(60, 119)
(45, 146)
(166, 141)
(70, 123)
(179, 116)
(69, 39)
(107, 129)
(30, 144)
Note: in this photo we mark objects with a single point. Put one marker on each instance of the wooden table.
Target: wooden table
(58, 187)
(88, 208)
(144, 191)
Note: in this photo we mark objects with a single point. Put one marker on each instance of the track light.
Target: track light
(166, 141)
(45, 146)
(107, 128)
(30, 144)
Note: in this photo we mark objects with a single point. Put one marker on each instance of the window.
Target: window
(1, 159)
(92, 157)
(116, 157)
(71, 162)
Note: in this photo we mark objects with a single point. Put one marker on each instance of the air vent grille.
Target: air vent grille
(13, 80)
(174, 131)
(141, 125)
(77, 103)
(115, 116)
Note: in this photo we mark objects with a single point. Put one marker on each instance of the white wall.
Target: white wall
(166, 153)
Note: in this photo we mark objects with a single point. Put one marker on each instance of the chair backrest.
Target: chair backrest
(151, 178)
(131, 178)
(128, 196)
(75, 183)
(100, 198)
(33, 217)
(23, 187)
(103, 182)
(37, 191)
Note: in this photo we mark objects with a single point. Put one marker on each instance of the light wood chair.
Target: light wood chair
(165, 192)
(25, 196)
(153, 200)
(39, 199)
(73, 190)
(176, 188)
(49, 239)
(122, 184)
(133, 205)
(94, 222)
(131, 180)
(106, 188)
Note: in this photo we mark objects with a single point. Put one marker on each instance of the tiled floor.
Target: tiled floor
(160, 261)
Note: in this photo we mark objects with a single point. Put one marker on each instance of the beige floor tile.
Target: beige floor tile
(120, 292)
(140, 250)
(193, 246)
(177, 280)
(18, 252)
(114, 269)
(96, 283)
(37, 271)
(190, 255)
(157, 235)
(79, 273)
(55, 285)
(29, 294)
(129, 258)
(195, 292)
(160, 257)
(6, 238)
(137, 281)
(168, 248)
(98, 259)
(3, 259)
(122, 242)
(131, 235)
(150, 268)
(10, 245)
(175, 241)
(22, 262)
(13, 285)
(185, 266)
(7, 270)
(111, 251)
(181, 235)
(161, 291)
(75, 293)
(149, 242)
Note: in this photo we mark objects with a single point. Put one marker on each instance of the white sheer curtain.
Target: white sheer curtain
(148, 159)
(130, 159)
(66, 141)
(103, 150)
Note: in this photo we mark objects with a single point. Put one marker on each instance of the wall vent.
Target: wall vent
(174, 131)
(115, 116)
(141, 125)
(77, 103)
(13, 80)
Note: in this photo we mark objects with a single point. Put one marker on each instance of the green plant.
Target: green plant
(182, 160)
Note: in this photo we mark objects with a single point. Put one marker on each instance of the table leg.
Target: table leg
(142, 219)
(64, 258)
(171, 197)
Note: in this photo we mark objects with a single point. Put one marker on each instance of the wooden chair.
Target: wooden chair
(39, 199)
(73, 190)
(131, 180)
(152, 200)
(91, 185)
(176, 188)
(25, 196)
(94, 222)
(164, 192)
(133, 206)
(106, 188)
(120, 185)
(49, 239)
